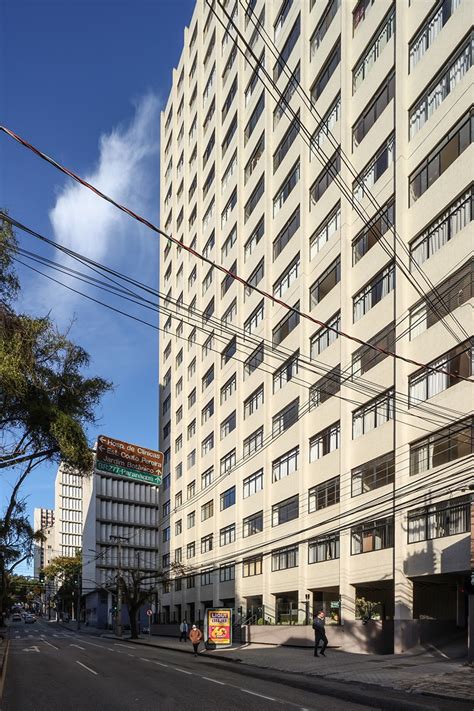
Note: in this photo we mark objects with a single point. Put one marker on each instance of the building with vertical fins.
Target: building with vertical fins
(322, 150)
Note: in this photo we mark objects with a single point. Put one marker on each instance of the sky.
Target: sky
(85, 81)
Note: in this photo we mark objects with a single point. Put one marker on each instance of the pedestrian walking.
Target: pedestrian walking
(183, 631)
(195, 636)
(319, 627)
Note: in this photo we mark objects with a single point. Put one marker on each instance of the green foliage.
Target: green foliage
(64, 568)
(8, 279)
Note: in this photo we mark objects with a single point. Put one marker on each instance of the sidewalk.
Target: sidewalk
(438, 672)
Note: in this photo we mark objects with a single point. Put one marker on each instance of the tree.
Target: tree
(47, 402)
(139, 587)
(65, 572)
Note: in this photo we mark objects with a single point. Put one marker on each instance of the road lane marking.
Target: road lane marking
(49, 644)
(182, 670)
(254, 693)
(128, 646)
(30, 649)
(88, 668)
(78, 647)
(144, 659)
(93, 644)
(214, 681)
(160, 664)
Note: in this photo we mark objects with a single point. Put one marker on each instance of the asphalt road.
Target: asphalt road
(52, 669)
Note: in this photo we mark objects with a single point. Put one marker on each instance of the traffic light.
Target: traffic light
(41, 576)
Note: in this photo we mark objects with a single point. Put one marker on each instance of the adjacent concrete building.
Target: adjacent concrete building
(68, 511)
(117, 511)
(304, 469)
(43, 520)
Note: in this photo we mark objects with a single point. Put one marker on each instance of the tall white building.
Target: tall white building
(68, 493)
(117, 512)
(304, 469)
(43, 520)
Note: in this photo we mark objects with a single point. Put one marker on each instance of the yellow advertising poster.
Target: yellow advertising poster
(219, 626)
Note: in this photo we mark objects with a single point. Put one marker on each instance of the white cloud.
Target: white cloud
(126, 170)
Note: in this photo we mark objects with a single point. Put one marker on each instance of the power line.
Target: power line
(215, 265)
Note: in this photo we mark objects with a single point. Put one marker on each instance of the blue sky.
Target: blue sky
(84, 80)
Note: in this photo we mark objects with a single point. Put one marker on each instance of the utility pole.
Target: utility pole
(118, 619)
(78, 600)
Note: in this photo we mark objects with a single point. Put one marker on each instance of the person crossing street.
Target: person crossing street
(195, 636)
(319, 627)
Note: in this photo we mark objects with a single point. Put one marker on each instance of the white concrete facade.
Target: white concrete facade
(377, 73)
(43, 520)
(68, 511)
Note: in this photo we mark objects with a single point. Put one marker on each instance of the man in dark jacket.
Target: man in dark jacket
(320, 633)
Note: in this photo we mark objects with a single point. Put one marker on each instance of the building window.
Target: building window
(286, 142)
(254, 158)
(227, 462)
(285, 511)
(191, 459)
(323, 25)
(374, 50)
(365, 358)
(323, 548)
(285, 372)
(326, 72)
(229, 171)
(253, 484)
(252, 525)
(427, 383)
(166, 534)
(372, 536)
(191, 431)
(228, 388)
(253, 442)
(252, 323)
(325, 336)
(253, 120)
(373, 414)
(227, 498)
(192, 398)
(228, 425)
(325, 388)
(166, 560)
(452, 73)
(287, 49)
(326, 125)
(250, 88)
(286, 188)
(323, 495)
(285, 234)
(228, 280)
(254, 360)
(373, 231)
(206, 478)
(374, 474)
(252, 566)
(284, 419)
(330, 225)
(178, 443)
(231, 203)
(229, 351)
(284, 558)
(324, 442)
(227, 535)
(381, 162)
(443, 229)
(207, 510)
(206, 577)
(178, 527)
(287, 324)
(229, 135)
(209, 148)
(190, 581)
(179, 387)
(325, 283)
(256, 277)
(446, 518)
(253, 402)
(253, 200)
(207, 378)
(207, 411)
(375, 109)
(285, 465)
(433, 25)
(226, 573)
(287, 93)
(288, 277)
(440, 159)
(380, 287)
(229, 99)
(209, 246)
(441, 447)
(191, 519)
(207, 444)
(360, 12)
(325, 178)
(207, 543)
(208, 345)
(254, 239)
(455, 291)
(230, 313)
(229, 243)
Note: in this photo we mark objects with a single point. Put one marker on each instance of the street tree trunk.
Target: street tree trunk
(133, 614)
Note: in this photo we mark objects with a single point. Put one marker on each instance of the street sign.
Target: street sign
(129, 460)
(149, 613)
(218, 630)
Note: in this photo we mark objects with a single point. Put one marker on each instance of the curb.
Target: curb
(373, 696)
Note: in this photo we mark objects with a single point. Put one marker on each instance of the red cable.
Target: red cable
(192, 251)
